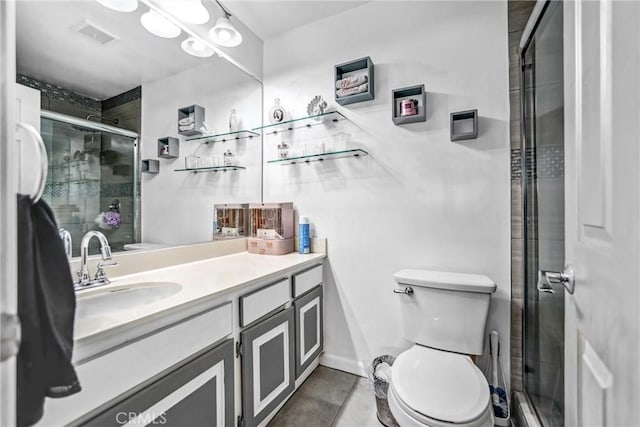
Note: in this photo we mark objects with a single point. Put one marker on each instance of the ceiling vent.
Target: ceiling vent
(95, 33)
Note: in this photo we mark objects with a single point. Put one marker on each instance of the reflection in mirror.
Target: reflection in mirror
(109, 89)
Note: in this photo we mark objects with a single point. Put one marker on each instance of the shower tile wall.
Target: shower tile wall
(62, 100)
(518, 14)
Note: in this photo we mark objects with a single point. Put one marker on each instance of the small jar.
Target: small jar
(229, 158)
(283, 150)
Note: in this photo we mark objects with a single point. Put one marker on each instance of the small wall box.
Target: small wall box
(195, 111)
(150, 166)
(231, 220)
(352, 68)
(168, 147)
(464, 125)
(272, 227)
(415, 93)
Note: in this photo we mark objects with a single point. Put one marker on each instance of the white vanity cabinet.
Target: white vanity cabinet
(230, 357)
(281, 339)
(112, 376)
(198, 393)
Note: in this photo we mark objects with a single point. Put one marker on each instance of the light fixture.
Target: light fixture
(159, 25)
(191, 11)
(196, 48)
(120, 5)
(224, 33)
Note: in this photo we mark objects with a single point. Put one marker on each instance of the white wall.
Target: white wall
(177, 207)
(418, 200)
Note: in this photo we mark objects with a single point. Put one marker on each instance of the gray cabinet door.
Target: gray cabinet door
(197, 394)
(267, 366)
(309, 329)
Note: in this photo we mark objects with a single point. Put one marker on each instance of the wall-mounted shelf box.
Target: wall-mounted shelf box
(464, 125)
(197, 112)
(150, 166)
(352, 68)
(416, 93)
(168, 147)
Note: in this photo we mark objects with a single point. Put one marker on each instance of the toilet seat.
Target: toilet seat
(438, 388)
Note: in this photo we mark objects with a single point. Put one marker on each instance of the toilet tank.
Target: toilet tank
(447, 311)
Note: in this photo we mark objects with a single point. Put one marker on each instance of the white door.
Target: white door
(602, 212)
(8, 190)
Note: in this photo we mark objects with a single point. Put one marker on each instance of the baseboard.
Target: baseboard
(343, 364)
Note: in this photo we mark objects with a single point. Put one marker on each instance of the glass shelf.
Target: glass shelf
(223, 137)
(302, 122)
(212, 169)
(321, 157)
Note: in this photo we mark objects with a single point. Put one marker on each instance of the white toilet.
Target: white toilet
(435, 383)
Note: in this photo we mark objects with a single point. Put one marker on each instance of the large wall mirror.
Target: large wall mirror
(109, 90)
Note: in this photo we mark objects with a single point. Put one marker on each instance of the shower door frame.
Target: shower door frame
(529, 31)
(101, 127)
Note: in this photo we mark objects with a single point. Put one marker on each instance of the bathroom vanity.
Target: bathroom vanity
(221, 341)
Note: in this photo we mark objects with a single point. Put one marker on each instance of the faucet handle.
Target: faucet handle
(100, 274)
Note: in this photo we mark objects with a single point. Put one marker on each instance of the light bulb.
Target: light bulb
(159, 25)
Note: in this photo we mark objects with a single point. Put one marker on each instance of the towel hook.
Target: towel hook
(44, 162)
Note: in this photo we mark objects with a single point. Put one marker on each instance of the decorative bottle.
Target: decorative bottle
(233, 122)
(276, 113)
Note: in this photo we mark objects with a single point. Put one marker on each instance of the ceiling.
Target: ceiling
(48, 49)
(270, 18)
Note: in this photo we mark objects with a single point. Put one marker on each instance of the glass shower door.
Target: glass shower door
(543, 193)
(91, 182)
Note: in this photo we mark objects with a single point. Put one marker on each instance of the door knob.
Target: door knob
(565, 278)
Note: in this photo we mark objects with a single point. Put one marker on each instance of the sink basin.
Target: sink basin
(101, 302)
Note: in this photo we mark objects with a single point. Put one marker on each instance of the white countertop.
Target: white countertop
(200, 281)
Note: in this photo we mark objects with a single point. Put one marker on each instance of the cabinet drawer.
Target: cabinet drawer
(307, 280)
(263, 301)
(112, 374)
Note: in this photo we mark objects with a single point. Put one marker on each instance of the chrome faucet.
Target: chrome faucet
(66, 240)
(84, 278)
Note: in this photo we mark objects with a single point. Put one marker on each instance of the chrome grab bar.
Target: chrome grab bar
(44, 161)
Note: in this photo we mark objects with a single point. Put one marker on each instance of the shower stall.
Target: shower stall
(541, 60)
(92, 180)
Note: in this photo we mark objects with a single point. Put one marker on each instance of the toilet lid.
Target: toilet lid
(440, 385)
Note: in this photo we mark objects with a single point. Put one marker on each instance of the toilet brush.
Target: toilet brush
(497, 386)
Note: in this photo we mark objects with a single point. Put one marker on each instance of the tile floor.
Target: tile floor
(330, 398)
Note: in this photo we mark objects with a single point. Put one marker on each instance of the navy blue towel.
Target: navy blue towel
(46, 306)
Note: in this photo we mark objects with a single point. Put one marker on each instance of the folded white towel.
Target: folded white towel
(186, 121)
(188, 127)
(352, 81)
(352, 90)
